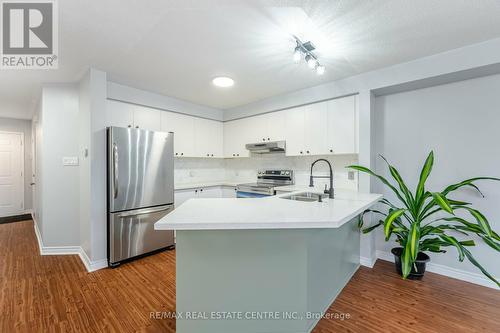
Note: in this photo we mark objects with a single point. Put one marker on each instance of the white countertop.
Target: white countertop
(228, 183)
(267, 213)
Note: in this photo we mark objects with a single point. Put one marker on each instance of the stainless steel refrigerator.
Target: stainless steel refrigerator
(140, 191)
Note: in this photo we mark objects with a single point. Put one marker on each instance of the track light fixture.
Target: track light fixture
(306, 50)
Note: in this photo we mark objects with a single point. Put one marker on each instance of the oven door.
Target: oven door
(242, 194)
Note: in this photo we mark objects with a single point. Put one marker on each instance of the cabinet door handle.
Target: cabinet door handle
(301, 152)
(237, 154)
(208, 154)
(129, 126)
(176, 154)
(212, 155)
(137, 127)
(182, 154)
(201, 190)
(307, 151)
(268, 139)
(331, 150)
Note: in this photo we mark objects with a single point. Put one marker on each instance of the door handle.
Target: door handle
(146, 211)
(32, 184)
(115, 170)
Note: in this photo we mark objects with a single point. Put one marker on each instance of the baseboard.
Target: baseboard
(367, 262)
(91, 266)
(459, 274)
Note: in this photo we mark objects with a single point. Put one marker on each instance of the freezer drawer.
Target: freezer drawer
(131, 233)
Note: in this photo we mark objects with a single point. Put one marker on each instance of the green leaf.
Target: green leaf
(373, 227)
(393, 215)
(491, 243)
(424, 174)
(414, 239)
(475, 263)
(406, 259)
(453, 241)
(467, 182)
(470, 226)
(481, 219)
(402, 186)
(382, 179)
(441, 200)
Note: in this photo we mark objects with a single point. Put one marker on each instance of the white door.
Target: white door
(11, 174)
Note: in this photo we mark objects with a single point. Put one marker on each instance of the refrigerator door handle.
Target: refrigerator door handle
(146, 211)
(115, 170)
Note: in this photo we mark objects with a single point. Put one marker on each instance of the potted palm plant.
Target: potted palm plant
(424, 221)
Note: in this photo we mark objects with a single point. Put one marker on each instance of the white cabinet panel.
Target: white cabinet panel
(257, 130)
(342, 126)
(208, 138)
(294, 131)
(119, 114)
(147, 118)
(275, 126)
(181, 196)
(315, 136)
(210, 192)
(183, 128)
(228, 192)
(237, 133)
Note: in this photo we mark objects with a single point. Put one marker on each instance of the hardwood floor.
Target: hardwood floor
(55, 293)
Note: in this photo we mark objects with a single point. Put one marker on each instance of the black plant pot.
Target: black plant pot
(422, 260)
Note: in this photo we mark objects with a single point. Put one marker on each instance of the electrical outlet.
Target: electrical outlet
(350, 175)
(70, 161)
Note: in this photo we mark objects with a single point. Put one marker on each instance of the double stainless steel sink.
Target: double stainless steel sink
(305, 196)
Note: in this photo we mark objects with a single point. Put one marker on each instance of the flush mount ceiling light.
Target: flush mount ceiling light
(306, 50)
(223, 81)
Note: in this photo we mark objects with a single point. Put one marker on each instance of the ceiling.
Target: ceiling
(176, 47)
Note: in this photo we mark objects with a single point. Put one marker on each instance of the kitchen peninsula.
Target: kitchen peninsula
(254, 257)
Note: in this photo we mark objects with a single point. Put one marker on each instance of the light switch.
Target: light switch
(70, 161)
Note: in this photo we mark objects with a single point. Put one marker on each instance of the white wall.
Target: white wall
(22, 126)
(59, 184)
(459, 121)
(85, 197)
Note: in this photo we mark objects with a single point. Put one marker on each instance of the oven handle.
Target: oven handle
(243, 194)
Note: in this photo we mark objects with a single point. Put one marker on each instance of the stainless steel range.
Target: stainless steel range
(267, 180)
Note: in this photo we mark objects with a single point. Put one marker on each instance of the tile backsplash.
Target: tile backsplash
(198, 170)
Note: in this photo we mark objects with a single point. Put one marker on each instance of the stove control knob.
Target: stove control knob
(287, 173)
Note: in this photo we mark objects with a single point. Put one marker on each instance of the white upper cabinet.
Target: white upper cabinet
(208, 138)
(315, 135)
(183, 128)
(237, 133)
(147, 118)
(122, 114)
(295, 131)
(275, 126)
(342, 126)
(119, 114)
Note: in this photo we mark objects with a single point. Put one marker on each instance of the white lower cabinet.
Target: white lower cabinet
(228, 192)
(180, 196)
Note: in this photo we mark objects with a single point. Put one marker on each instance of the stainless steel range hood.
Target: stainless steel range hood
(267, 147)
